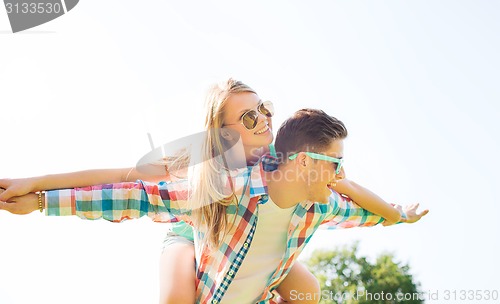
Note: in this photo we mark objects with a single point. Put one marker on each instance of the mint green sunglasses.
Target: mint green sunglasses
(338, 161)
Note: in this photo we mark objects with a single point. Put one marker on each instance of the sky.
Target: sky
(415, 82)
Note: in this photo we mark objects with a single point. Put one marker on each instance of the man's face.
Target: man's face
(321, 174)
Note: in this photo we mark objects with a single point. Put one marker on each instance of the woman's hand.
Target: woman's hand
(23, 204)
(16, 187)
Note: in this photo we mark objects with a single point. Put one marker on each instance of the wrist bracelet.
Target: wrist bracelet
(40, 201)
(403, 217)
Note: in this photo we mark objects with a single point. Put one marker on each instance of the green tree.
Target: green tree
(346, 277)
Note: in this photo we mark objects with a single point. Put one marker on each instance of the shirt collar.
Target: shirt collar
(258, 184)
(269, 162)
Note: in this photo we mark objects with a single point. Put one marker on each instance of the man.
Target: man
(277, 211)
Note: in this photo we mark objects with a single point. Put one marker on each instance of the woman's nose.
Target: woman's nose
(261, 118)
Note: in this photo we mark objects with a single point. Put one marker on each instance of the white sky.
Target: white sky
(416, 83)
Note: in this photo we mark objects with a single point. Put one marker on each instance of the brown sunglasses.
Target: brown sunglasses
(250, 118)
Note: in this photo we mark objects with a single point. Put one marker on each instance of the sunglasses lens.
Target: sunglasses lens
(338, 167)
(250, 119)
(266, 108)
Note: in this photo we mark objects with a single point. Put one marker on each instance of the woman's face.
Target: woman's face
(237, 105)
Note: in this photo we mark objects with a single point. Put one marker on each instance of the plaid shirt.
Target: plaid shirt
(166, 202)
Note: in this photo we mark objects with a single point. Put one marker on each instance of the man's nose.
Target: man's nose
(341, 174)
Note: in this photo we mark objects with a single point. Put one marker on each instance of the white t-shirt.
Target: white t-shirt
(265, 253)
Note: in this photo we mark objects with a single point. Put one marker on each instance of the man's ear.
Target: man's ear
(302, 159)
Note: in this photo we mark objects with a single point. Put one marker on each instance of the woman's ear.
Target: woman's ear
(226, 135)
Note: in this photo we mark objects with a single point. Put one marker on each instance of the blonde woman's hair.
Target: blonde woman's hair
(209, 195)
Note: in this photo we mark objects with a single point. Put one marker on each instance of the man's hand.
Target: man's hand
(16, 187)
(411, 213)
(20, 204)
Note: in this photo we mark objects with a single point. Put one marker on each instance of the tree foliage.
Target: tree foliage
(347, 277)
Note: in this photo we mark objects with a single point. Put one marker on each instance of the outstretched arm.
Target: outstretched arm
(347, 214)
(113, 202)
(22, 186)
(369, 201)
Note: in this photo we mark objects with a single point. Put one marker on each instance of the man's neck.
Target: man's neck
(285, 194)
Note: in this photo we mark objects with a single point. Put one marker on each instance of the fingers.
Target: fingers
(415, 207)
(4, 182)
(19, 208)
(423, 213)
(5, 195)
(6, 206)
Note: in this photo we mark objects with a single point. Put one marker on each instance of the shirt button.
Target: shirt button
(245, 245)
(231, 273)
(214, 301)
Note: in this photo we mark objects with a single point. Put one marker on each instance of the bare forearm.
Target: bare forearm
(79, 179)
(91, 177)
(368, 200)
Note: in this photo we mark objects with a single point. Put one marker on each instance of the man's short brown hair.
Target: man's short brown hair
(308, 130)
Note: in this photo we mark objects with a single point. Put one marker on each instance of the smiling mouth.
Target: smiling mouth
(266, 127)
(330, 185)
